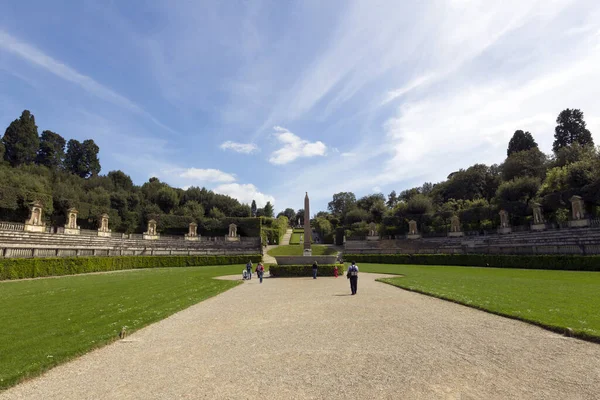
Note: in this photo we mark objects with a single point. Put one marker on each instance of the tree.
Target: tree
(82, 158)
(253, 208)
(571, 129)
(268, 210)
(52, 150)
(521, 141)
(392, 199)
(525, 163)
(167, 199)
(121, 180)
(342, 202)
(21, 140)
(290, 214)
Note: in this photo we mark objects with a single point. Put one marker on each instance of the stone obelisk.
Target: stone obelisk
(307, 230)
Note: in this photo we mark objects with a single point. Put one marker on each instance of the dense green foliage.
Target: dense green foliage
(39, 169)
(281, 271)
(20, 268)
(273, 229)
(551, 262)
(476, 194)
(45, 322)
(296, 250)
(556, 300)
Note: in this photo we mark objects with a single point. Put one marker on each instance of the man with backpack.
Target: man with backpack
(353, 276)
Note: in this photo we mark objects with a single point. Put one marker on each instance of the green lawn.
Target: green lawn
(295, 238)
(317, 250)
(553, 299)
(47, 321)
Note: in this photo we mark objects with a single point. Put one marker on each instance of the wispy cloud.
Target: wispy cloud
(294, 147)
(245, 148)
(37, 57)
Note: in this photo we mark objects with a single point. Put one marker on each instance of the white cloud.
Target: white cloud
(348, 154)
(245, 148)
(244, 193)
(294, 147)
(207, 175)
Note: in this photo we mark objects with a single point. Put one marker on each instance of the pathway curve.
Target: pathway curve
(307, 339)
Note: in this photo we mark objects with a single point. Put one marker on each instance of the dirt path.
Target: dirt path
(308, 339)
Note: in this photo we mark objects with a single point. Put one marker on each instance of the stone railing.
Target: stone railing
(11, 226)
(32, 252)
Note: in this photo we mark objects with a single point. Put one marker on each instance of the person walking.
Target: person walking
(260, 271)
(314, 270)
(249, 269)
(335, 271)
(353, 276)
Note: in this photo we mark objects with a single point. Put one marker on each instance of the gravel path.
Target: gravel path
(308, 339)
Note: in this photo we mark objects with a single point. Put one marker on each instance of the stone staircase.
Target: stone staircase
(286, 238)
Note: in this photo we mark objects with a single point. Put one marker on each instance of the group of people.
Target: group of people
(351, 274)
(260, 271)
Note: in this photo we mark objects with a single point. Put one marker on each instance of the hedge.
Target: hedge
(280, 271)
(18, 268)
(554, 262)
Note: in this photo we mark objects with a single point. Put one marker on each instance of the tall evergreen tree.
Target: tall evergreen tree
(52, 150)
(521, 141)
(571, 129)
(21, 140)
(82, 158)
(253, 208)
(268, 210)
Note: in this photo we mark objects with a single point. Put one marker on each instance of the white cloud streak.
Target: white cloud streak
(207, 175)
(36, 57)
(294, 147)
(245, 193)
(244, 148)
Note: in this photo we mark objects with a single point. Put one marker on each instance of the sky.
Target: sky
(267, 100)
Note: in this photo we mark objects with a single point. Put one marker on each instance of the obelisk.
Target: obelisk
(307, 230)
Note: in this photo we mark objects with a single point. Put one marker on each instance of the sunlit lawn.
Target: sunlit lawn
(554, 299)
(47, 321)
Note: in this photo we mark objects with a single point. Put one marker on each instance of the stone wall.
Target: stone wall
(26, 244)
(584, 241)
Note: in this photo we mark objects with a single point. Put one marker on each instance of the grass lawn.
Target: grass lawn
(553, 299)
(317, 250)
(47, 321)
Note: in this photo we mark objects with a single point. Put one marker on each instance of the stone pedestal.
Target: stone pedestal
(538, 227)
(579, 223)
(191, 238)
(372, 237)
(147, 236)
(72, 231)
(232, 238)
(307, 252)
(35, 228)
(104, 234)
(413, 236)
(456, 234)
(505, 230)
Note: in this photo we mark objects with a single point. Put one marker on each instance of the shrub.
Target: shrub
(19, 268)
(555, 262)
(280, 271)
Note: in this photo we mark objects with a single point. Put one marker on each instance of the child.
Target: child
(335, 271)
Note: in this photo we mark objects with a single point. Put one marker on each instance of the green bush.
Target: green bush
(554, 262)
(281, 271)
(19, 268)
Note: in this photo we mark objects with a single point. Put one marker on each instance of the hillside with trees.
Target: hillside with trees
(476, 194)
(64, 174)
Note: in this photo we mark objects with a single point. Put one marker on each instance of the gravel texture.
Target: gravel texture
(309, 339)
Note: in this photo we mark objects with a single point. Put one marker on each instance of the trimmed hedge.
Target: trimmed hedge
(19, 268)
(281, 271)
(553, 262)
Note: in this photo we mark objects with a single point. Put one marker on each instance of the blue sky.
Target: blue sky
(268, 99)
